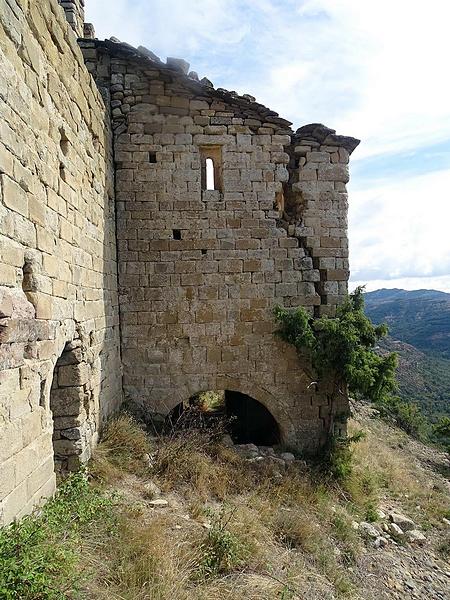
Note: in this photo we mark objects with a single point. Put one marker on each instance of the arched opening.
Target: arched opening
(246, 420)
(210, 185)
(68, 411)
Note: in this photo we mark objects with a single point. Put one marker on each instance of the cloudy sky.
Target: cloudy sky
(376, 70)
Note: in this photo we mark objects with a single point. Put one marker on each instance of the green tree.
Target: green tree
(343, 347)
(441, 432)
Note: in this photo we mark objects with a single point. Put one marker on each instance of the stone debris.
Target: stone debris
(255, 453)
(369, 529)
(405, 523)
(193, 75)
(287, 456)
(148, 53)
(206, 82)
(395, 529)
(158, 503)
(178, 64)
(380, 542)
(152, 489)
(414, 536)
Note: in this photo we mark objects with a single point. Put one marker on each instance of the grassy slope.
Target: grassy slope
(231, 530)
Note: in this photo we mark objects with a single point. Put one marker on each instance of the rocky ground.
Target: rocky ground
(400, 557)
(382, 534)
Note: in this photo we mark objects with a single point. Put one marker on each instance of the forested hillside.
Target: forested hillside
(419, 327)
(420, 317)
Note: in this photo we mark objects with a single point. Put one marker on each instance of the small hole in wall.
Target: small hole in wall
(296, 162)
(152, 157)
(28, 284)
(42, 394)
(62, 171)
(204, 251)
(177, 234)
(64, 141)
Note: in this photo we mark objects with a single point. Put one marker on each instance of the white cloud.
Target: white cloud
(400, 229)
(376, 70)
(168, 27)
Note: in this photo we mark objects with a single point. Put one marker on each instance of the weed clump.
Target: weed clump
(222, 551)
(39, 557)
(123, 448)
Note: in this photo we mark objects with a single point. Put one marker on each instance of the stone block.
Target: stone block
(73, 375)
(7, 477)
(14, 196)
(337, 173)
(67, 402)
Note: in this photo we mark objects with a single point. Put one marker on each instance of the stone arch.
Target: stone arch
(68, 408)
(281, 414)
(243, 402)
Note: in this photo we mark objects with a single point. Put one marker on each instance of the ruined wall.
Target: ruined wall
(58, 286)
(316, 208)
(202, 270)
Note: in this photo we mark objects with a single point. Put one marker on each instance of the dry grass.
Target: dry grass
(235, 529)
(122, 450)
(192, 461)
(264, 527)
(381, 470)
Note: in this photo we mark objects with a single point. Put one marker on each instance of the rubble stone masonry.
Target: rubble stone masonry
(222, 211)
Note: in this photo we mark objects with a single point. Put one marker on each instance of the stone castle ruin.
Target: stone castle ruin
(149, 224)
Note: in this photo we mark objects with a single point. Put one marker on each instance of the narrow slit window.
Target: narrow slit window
(152, 157)
(210, 184)
(177, 234)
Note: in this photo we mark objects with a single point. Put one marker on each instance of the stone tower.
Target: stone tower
(149, 224)
(74, 10)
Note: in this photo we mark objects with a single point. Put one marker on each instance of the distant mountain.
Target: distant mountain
(420, 318)
(419, 331)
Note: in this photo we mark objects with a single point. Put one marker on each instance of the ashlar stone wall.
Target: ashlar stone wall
(60, 374)
(200, 271)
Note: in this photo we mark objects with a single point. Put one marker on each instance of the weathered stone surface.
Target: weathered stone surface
(369, 530)
(179, 64)
(405, 523)
(57, 251)
(73, 375)
(415, 536)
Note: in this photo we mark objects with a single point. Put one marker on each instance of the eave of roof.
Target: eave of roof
(246, 104)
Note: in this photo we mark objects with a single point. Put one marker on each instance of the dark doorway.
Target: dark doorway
(250, 421)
